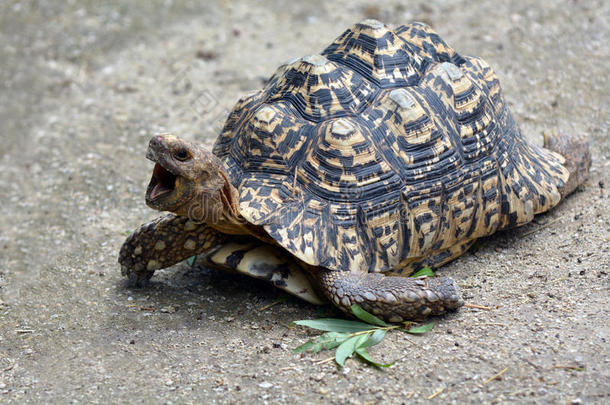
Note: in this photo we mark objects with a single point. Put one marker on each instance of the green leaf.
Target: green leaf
(366, 316)
(426, 271)
(361, 351)
(305, 347)
(376, 337)
(347, 348)
(191, 260)
(329, 340)
(419, 330)
(334, 325)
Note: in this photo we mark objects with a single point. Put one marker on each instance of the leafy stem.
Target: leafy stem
(351, 337)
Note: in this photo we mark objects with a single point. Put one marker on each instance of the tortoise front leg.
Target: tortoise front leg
(395, 299)
(163, 242)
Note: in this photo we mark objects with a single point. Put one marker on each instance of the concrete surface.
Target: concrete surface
(84, 84)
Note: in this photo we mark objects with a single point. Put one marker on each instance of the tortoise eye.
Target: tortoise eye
(181, 155)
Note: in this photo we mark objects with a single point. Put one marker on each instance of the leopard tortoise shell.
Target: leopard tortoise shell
(386, 153)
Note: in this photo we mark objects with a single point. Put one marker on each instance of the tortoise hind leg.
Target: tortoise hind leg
(576, 152)
(394, 299)
(163, 242)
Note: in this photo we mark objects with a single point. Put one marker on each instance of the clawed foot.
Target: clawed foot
(136, 279)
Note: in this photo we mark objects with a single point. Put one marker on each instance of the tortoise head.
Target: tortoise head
(188, 180)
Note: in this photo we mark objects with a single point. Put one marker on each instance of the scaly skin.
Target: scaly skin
(163, 242)
(394, 299)
(576, 152)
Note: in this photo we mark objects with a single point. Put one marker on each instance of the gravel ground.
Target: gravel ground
(84, 84)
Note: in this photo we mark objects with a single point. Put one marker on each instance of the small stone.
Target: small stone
(168, 309)
(323, 390)
(265, 385)
(169, 383)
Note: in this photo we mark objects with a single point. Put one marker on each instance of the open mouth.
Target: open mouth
(162, 182)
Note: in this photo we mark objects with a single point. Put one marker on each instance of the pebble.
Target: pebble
(168, 310)
(318, 377)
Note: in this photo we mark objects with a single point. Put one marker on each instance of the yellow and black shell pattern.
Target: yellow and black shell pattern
(387, 148)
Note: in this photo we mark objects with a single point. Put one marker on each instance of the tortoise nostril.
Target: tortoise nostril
(156, 140)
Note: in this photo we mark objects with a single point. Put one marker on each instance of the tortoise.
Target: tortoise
(350, 170)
